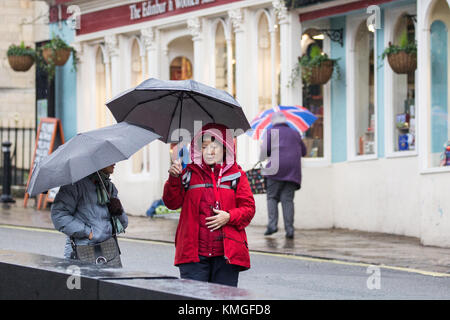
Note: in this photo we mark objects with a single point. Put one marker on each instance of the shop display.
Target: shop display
(406, 126)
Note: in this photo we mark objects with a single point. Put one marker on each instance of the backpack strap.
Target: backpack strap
(234, 178)
(186, 179)
(207, 185)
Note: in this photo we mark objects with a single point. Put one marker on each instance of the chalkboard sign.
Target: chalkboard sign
(49, 137)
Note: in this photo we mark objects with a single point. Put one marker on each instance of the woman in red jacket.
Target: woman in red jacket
(217, 204)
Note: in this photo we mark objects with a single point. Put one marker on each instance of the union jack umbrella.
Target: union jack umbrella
(297, 117)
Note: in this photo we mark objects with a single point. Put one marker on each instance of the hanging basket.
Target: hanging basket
(59, 56)
(402, 62)
(319, 74)
(21, 63)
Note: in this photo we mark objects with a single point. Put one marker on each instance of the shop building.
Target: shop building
(374, 154)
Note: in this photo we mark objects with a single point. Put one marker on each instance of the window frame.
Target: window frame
(424, 23)
(392, 17)
(326, 48)
(352, 25)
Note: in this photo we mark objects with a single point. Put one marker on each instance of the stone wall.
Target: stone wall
(20, 20)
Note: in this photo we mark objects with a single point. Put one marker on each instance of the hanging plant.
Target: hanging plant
(56, 53)
(316, 68)
(21, 58)
(403, 57)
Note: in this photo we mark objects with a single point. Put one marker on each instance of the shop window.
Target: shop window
(264, 65)
(439, 77)
(313, 98)
(364, 92)
(221, 58)
(404, 108)
(100, 89)
(180, 69)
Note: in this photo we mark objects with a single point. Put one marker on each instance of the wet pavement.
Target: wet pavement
(332, 244)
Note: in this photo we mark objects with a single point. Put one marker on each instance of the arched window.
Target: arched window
(221, 58)
(100, 89)
(264, 64)
(439, 77)
(364, 91)
(404, 92)
(180, 69)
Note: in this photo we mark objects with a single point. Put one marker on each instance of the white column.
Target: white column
(112, 71)
(229, 64)
(195, 29)
(290, 49)
(82, 93)
(236, 18)
(112, 49)
(273, 75)
(149, 42)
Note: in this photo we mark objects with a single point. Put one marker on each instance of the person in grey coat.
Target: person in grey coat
(285, 154)
(81, 212)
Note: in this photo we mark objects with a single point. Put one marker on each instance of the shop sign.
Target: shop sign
(140, 11)
(156, 7)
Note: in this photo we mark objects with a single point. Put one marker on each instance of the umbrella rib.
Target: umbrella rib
(173, 113)
(195, 100)
(157, 98)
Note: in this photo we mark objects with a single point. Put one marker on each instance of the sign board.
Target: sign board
(49, 136)
(140, 11)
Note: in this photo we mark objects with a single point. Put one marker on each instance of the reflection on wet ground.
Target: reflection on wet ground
(339, 244)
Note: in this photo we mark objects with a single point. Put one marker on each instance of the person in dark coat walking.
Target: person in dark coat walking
(284, 153)
(216, 205)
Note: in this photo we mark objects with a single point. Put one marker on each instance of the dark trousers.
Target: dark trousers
(214, 269)
(281, 191)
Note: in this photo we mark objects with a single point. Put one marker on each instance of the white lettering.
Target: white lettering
(195, 310)
(74, 281)
(374, 280)
(151, 10)
(186, 3)
(135, 12)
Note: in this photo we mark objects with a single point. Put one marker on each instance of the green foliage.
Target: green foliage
(403, 39)
(21, 50)
(315, 51)
(54, 44)
(405, 45)
(307, 62)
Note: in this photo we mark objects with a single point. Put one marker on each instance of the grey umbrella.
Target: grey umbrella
(164, 106)
(86, 153)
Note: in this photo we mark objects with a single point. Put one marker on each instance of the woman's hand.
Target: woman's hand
(218, 221)
(175, 169)
(91, 235)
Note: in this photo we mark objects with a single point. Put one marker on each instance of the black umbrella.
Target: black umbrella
(165, 106)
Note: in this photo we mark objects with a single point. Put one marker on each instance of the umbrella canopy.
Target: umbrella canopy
(165, 106)
(297, 117)
(86, 153)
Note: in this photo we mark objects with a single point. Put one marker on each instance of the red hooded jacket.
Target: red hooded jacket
(238, 202)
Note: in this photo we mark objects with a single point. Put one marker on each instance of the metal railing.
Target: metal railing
(23, 140)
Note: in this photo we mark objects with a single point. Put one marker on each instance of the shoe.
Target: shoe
(269, 232)
(289, 236)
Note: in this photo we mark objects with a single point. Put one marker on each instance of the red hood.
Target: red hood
(222, 134)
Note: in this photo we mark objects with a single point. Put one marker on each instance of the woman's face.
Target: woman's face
(109, 169)
(212, 151)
